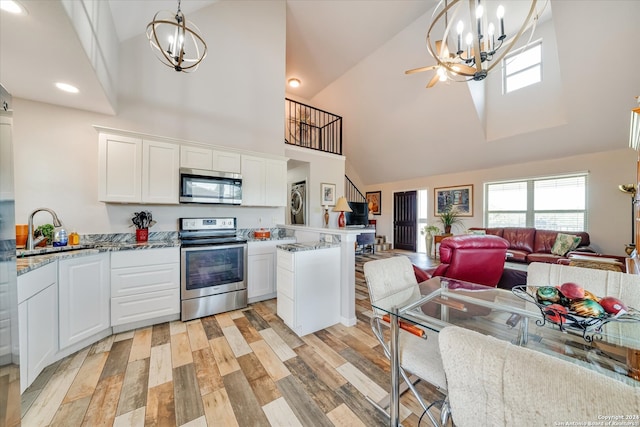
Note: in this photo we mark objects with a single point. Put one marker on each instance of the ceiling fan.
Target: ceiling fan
(441, 72)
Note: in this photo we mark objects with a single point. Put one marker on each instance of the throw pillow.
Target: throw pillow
(565, 243)
(477, 232)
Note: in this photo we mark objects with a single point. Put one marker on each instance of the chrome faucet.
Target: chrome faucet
(30, 240)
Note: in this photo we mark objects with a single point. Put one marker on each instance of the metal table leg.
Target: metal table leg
(394, 409)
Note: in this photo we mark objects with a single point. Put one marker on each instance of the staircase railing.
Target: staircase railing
(351, 192)
(310, 127)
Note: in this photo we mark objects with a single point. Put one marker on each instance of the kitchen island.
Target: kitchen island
(346, 238)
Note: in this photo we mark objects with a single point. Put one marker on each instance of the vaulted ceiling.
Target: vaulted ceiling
(351, 56)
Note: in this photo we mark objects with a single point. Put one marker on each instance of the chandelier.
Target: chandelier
(176, 41)
(479, 42)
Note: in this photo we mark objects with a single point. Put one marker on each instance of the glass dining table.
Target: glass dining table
(610, 346)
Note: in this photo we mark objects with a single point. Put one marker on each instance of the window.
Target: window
(522, 68)
(551, 203)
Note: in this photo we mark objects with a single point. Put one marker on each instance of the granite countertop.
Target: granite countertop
(306, 246)
(28, 260)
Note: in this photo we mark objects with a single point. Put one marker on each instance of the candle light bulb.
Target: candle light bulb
(442, 74)
(491, 30)
(460, 27)
(479, 11)
(469, 39)
(500, 12)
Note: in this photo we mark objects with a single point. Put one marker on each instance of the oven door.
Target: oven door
(210, 270)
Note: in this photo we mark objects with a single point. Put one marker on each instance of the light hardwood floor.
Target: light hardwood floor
(243, 368)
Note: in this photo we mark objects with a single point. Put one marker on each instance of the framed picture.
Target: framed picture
(460, 197)
(328, 194)
(373, 199)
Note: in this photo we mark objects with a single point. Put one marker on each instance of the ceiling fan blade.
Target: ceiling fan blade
(421, 69)
(433, 80)
(443, 54)
(464, 69)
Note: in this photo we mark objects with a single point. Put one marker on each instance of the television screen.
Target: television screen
(360, 214)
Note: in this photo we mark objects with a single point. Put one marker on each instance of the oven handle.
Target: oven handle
(193, 248)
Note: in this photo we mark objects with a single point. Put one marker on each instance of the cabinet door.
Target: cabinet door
(196, 157)
(260, 276)
(253, 184)
(224, 161)
(119, 169)
(160, 172)
(276, 183)
(42, 331)
(84, 297)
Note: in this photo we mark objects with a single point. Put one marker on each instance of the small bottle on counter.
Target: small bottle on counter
(74, 238)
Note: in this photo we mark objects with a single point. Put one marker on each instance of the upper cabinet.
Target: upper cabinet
(209, 159)
(264, 181)
(133, 170)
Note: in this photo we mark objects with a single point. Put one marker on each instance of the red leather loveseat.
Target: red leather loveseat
(532, 245)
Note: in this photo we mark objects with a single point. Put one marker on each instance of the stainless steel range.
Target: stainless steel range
(213, 267)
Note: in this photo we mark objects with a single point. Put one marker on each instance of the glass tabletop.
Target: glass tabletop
(611, 347)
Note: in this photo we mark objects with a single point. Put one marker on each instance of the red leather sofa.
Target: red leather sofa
(531, 245)
(472, 258)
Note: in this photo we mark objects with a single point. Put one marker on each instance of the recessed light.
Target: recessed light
(294, 82)
(67, 87)
(12, 6)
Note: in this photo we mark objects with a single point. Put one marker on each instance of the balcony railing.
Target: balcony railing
(309, 127)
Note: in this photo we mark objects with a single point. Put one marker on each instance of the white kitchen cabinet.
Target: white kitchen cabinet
(144, 285)
(83, 297)
(38, 320)
(132, 170)
(160, 172)
(264, 181)
(261, 269)
(308, 289)
(209, 159)
(119, 169)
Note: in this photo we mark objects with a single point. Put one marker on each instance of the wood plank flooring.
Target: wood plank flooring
(241, 368)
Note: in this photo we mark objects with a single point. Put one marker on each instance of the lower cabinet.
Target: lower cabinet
(83, 297)
(308, 289)
(261, 269)
(38, 320)
(144, 285)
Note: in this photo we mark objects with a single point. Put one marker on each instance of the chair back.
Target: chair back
(495, 383)
(391, 280)
(473, 258)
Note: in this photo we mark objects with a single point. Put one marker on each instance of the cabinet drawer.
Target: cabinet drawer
(36, 280)
(285, 309)
(138, 258)
(285, 260)
(284, 281)
(150, 305)
(136, 280)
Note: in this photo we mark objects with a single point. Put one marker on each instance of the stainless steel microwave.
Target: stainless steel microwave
(201, 186)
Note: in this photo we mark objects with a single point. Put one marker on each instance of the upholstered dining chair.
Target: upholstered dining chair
(393, 280)
(501, 384)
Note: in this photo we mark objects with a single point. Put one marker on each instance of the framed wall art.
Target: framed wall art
(459, 197)
(374, 200)
(327, 194)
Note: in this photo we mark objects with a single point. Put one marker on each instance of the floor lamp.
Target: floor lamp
(630, 189)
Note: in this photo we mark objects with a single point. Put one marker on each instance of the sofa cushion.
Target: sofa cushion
(542, 257)
(492, 231)
(516, 255)
(520, 238)
(420, 274)
(565, 243)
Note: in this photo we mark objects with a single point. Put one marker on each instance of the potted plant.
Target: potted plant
(449, 217)
(46, 231)
(142, 221)
(428, 232)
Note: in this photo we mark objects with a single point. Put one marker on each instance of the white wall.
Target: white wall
(609, 209)
(323, 168)
(235, 99)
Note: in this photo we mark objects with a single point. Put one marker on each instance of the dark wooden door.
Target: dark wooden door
(405, 223)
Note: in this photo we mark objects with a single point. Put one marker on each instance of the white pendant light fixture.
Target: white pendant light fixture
(176, 41)
(479, 41)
